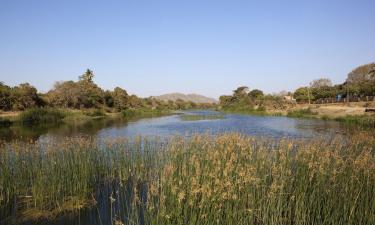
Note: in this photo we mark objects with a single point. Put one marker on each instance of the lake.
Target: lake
(183, 124)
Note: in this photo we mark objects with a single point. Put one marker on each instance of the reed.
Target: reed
(302, 113)
(41, 116)
(227, 179)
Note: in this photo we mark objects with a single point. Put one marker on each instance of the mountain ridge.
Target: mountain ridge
(196, 98)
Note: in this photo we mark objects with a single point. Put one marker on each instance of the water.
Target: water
(186, 124)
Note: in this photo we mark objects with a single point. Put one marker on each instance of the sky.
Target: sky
(208, 47)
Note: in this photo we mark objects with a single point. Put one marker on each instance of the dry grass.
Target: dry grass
(228, 179)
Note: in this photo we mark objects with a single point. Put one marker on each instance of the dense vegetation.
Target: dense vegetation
(359, 84)
(254, 101)
(38, 116)
(228, 179)
(82, 94)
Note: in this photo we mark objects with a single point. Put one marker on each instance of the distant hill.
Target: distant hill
(190, 97)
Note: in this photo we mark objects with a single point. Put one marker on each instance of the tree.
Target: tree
(241, 91)
(302, 94)
(87, 76)
(65, 94)
(322, 82)
(135, 102)
(362, 73)
(25, 96)
(256, 93)
(120, 99)
(5, 97)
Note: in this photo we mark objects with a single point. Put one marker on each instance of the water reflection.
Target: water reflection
(210, 122)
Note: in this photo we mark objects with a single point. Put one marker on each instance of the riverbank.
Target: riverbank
(352, 113)
(51, 116)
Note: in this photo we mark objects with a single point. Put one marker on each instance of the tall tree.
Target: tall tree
(87, 76)
(322, 82)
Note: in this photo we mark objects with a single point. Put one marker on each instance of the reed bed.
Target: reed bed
(227, 179)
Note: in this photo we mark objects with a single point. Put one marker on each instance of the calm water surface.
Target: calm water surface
(186, 124)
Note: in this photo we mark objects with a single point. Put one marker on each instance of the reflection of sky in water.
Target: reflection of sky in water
(203, 122)
(276, 127)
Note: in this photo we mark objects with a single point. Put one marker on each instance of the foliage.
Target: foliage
(94, 113)
(254, 101)
(25, 96)
(362, 74)
(36, 116)
(322, 82)
(120, 99)
(5, 97)
(302, 95)
(364, 121)
(256, 93)
(302, 113)
(228, 179)
(88, 76)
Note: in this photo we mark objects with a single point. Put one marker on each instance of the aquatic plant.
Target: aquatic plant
(302, 113)
(363, 120)
(227, 179)
(40, 116)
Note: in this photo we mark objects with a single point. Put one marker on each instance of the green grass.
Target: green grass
(228, 179)
(302, 113)
(249, 110)
(364, 121)
(41, 116)
(94, 113)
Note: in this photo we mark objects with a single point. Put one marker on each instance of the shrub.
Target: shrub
(302, 113)
(95, 113)
(365, 121)
(37, 116)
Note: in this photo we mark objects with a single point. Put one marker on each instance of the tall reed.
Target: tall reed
(228, 179)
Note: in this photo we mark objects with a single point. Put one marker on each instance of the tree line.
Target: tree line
(359, 83)
(82, 94)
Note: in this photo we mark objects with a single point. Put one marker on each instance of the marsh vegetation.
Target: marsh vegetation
(227, 179)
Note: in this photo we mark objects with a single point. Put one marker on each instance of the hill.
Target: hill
(189, 97)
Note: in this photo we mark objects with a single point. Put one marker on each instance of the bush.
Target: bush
(302, 113)
(95, 113)
(37, 116)
(365, 121)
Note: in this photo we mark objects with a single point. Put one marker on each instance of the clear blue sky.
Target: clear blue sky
(201, 46)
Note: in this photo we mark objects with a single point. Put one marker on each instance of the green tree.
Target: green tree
(5, 97)
(25, 96)
(302, 94)
(87, 76)
(120, 99)
(256, 94)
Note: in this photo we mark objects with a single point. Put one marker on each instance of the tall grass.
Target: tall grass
(228, 179)
(302, 113)
(40, 116)
(364, 120)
